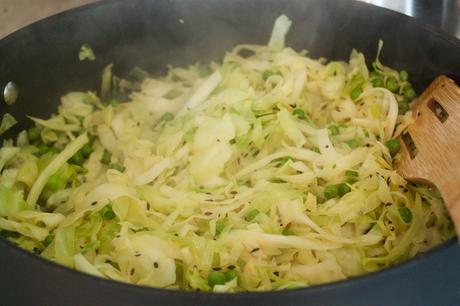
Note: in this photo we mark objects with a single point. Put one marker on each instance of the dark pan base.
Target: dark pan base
(42, 60)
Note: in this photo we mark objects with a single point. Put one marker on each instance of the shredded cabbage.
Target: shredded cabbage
(86, 53)
(265, 172)
(8, 121)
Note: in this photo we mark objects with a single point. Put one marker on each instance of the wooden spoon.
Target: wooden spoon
(430, 149)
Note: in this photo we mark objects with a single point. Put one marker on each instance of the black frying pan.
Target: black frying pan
(42, 60)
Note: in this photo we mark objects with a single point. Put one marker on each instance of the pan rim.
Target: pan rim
(387, 272)
(330, 286)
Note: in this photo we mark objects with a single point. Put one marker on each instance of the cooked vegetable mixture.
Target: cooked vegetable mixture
(267, 171)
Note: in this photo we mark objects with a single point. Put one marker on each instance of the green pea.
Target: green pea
(299, 113)
(406, 214)
(266, 74)
(355, 93)
(33, 133)
(351, 180)
(331, 191)
(353, 143)
(343, 189)
(54, 182)
(351, 176)
(48, 240)
(167, 117)
(43, 149)
(403, 75)
(409, 93)
(403, 107)
(229, 275)
(393, 146)
(219, 227)
(107, 213)
(106, 157)
(378, 82)
(251, 215)
(216, 278)
(333, 130)
(392, 84)
(77, 158)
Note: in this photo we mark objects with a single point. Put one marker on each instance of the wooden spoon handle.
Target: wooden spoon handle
(431, 147)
